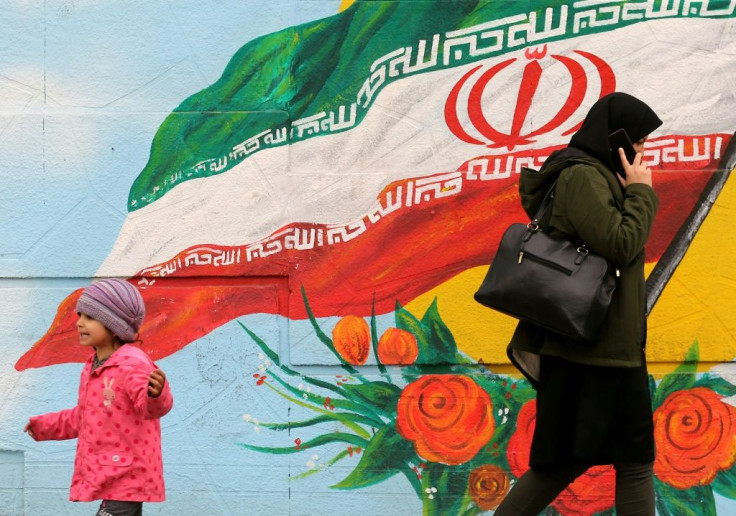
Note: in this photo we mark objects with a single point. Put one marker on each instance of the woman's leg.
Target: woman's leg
(537, 488)
(635, 489)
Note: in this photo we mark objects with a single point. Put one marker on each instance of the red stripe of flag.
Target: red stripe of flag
(405, 254)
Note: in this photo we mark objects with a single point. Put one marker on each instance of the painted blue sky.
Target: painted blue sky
(83, 87)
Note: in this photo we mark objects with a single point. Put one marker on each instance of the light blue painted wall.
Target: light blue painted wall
(84, 85)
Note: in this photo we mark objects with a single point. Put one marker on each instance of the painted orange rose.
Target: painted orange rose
(397, 347)
(520, 443)
(487, 486)
(695, 433)
(592, 492)
(352, 339)
(448, 417)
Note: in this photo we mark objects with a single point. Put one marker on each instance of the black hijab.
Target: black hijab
(610, 113)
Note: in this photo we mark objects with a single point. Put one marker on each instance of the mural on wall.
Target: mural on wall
(425, 121)
(370, 160)
(459, 434)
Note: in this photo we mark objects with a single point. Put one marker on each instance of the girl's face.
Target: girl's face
(93, 333)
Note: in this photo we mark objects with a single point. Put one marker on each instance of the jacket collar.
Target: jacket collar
(118, 357)
(534, 185)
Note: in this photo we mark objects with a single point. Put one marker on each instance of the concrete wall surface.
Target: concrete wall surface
(307, 194)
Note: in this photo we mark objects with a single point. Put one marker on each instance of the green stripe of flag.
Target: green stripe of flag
(322, 77)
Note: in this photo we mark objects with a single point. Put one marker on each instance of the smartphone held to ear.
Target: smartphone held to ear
(619, 139)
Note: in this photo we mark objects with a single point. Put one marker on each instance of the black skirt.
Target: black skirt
(601, 415)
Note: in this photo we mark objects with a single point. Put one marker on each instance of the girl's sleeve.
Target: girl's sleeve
(56, 426)
(148, 406)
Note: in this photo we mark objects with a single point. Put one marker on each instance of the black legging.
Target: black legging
(116, 508)
(538, 487)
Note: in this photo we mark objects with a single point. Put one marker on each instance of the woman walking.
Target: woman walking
(593, 400)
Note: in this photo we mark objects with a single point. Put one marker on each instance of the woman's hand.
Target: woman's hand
(156, 383)
(636, 172)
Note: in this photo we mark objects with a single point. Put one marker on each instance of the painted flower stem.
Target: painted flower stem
(321, 335)
(275, 359)
(429, 500)
(464, 467)
(327, 418)
(355, 428)
(361, 408)
(374, 342)
(333, 460)
(317, 441)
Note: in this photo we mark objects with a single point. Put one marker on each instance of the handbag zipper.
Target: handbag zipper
(555, 266)
(551, 265)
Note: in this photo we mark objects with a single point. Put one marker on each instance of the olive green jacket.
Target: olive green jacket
(590, 206)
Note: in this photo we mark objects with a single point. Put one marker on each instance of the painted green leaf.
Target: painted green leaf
(725, 483)
(273, 356)
(696, 500)
(448, 480)
(405, 320)
(384, 456)
(443, 342)
(662, 492)
(473, 510)
(326, 418)
(432, 314)
(662, 509)
(681, 378)
(652, 389)
(495, 450)
(435, 341)
(382, 395)
(317, 441)
(321, 335)
(374, 341)
(504, 391)
(717, 384)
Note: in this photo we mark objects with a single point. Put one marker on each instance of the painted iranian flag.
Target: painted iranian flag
(372, 156)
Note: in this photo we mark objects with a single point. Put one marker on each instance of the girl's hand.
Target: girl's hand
(29, 430)
(156, 383)
(636, 172)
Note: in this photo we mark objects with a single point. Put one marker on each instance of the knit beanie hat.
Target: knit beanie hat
(116, 304)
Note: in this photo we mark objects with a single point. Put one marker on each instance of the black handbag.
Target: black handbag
(551, 283)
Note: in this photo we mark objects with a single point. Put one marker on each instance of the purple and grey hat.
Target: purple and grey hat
(116, 304)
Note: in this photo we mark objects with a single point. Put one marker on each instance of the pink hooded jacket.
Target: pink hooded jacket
(118, 430)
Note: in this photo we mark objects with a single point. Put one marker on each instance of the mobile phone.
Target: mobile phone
(619, 139)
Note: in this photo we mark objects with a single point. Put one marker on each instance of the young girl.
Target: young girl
(122, 395)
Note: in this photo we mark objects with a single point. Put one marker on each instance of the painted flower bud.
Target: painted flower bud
(351, 338)
(397, 347)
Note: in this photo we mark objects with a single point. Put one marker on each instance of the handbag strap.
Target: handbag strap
(542, 211)
(547, 202)
(543, 207)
